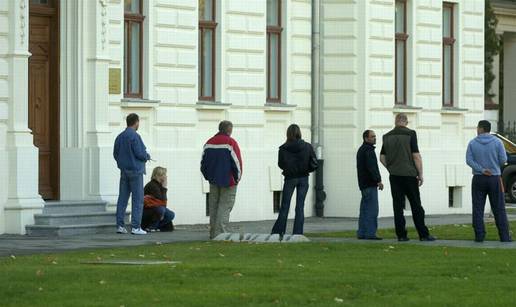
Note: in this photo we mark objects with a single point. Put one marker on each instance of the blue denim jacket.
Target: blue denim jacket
(130, 152)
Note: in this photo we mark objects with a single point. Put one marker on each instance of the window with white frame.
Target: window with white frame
(133, 48)
(400, 57)
(274, 30)
(207, 52)
(448, 54)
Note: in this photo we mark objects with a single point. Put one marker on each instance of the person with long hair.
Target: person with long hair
(156, 215)
(297, 160)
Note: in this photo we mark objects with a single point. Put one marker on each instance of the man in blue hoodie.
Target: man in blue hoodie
(130, 155)
(485, 155)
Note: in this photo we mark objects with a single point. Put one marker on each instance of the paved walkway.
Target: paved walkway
(20, 245)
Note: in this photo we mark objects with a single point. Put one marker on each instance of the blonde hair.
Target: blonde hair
(158, 172)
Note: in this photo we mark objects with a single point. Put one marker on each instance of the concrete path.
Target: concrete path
(23, 245)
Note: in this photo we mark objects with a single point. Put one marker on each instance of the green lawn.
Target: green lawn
(227, 274)
(444, 232)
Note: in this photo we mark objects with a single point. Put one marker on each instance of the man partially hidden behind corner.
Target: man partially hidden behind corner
(485, 155)
(400, 155)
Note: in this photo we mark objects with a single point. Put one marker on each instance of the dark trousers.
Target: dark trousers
(402, 187)
(481, 187)
(368, 218)
(301, 184)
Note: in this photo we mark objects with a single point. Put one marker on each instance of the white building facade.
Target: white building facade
(70, 71)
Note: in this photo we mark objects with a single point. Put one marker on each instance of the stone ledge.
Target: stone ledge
(208, 105)
(138, 103)
(280, 107)
(260, 238)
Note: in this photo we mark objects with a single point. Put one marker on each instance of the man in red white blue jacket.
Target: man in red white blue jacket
(221, 165)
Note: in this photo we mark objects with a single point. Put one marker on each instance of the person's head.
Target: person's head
(226, 127)
(483, 126)
(133, 121)
(159, 174)
(401, 120)
(293, 133)
(369, 137)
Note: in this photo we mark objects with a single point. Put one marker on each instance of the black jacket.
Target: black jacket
(294, 158)
(155, 189)
(367, 167)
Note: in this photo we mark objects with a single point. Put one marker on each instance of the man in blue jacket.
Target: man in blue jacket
(485, 155)
(130, 155)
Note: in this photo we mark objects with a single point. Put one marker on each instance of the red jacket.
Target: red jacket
(221, 162)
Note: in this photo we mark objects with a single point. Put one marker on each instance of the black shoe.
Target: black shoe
(361, 237)
(428, 238)
(403, 239)
(373, 238)
(478, 240)
(506, 241)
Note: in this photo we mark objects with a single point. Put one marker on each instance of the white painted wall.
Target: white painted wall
(175, 129)
(357, 64)
(358, 90)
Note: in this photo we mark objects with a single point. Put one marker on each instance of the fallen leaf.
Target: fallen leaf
(237, 274)
(300, 265)
(39, 273)
(13, 256)
(40, 289)
(99, 258)
(102, 282)
(338, 300)
(222, 255)
(158, 243)
(112, 255)
(54, 262)
(141, 256)
(391, 247)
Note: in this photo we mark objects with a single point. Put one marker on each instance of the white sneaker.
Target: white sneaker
(121, 230)
(138, 231)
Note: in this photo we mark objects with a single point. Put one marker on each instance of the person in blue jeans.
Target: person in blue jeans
(156, 216)
(485, 155)
(297, 159)
(369, 182)
(130, 155)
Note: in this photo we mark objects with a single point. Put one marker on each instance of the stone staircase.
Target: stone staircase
(68, 218)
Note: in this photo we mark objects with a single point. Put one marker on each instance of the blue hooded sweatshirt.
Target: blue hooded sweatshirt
(486, 152)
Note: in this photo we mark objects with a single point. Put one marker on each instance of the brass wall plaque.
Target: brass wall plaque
(114, 80)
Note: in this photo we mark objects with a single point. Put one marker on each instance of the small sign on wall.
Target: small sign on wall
(114, 80)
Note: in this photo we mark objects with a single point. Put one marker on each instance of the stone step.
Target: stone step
(56, 219)
(69, 230)
(58, 207)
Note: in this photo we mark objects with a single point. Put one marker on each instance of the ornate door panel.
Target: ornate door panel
(44, 95)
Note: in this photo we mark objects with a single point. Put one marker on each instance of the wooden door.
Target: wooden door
(44, 92)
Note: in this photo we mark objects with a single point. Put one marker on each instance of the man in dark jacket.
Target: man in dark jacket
(369, 181)
(221, 165)
(130, 155)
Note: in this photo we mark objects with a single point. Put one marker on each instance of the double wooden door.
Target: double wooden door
(44, 92)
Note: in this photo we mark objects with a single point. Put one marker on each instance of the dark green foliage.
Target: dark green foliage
(492, 48)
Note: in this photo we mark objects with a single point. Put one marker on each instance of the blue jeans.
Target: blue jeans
(131, 182)
(481, 187)
(368, 219)
(166, 215)
(301, 184)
